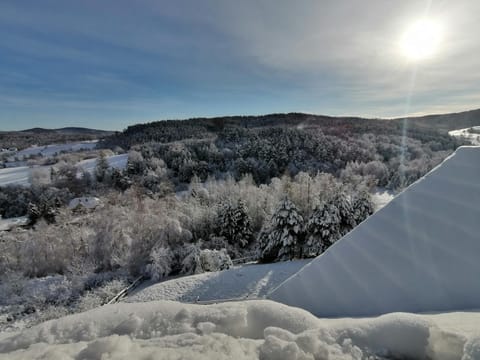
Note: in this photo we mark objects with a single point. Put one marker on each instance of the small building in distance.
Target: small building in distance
(84, 202)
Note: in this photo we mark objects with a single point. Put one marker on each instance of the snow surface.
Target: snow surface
(55, 149)
(16, 175)
(381, 197)
(464, 134)
(115, 161)
(8, 224)
(241, 330)
(419, 253)
(240, 282)
(20, 175)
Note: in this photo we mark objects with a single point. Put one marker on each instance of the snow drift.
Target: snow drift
(418, 253)
(244, 330)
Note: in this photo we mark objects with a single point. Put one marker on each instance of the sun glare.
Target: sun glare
(421, 40)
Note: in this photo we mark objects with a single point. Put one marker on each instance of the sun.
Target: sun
(422, 40)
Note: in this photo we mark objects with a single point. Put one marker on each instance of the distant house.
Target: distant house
(85, 202)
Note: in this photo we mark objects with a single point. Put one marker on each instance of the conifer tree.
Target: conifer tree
(281, 238)
(345, 210)
(235, 224)
(362, 207)
(101, 168)
(323, 229)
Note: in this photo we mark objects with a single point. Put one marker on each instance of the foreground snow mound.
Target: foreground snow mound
(419, 253)
(243, 330)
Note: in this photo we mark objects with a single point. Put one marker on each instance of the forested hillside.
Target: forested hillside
(447, 122)
(273, 145)
(195, 195)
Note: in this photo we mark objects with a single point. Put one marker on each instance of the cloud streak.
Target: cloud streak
(187, 58)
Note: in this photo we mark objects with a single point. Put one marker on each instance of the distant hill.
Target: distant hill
(425, 127)
(447, 122)
(67, 130)
(40, 136)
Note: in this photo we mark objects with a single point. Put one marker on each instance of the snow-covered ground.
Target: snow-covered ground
(20, 175)
(55, 149)
(256, 329)
(16, 175)
(465, 134)
(381, 197)
(115, 161)
(7, 224)
(240, 282)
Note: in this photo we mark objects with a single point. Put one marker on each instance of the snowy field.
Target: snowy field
(52, 150)
(257, 329)
(463, 133)
(20, 175)
(241, 282)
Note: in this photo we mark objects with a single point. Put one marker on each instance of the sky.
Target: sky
(111, 63)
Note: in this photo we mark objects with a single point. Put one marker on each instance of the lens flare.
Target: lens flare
(422, 39)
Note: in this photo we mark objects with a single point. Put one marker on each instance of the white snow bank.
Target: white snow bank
(242, 330)
(418, 253)
(251, 280)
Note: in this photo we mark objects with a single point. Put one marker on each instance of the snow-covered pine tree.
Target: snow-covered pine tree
(135, 163)
(235, 224)
(362, 207)
(226, 222)
(323, 229)
(33, 213)
(280, 239)
(101, 168)
(243, 223)
(344, 206)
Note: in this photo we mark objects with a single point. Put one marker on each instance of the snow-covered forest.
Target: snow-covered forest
(196, 196)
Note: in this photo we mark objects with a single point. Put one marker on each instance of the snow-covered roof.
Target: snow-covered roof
(418, 253)
(87, 202)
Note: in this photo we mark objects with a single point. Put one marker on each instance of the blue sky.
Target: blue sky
(107, 64)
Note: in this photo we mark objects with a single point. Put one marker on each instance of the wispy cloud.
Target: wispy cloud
(160, 59)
